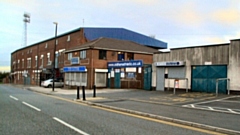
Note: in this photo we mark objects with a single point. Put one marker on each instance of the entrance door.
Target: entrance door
(27, 80)
(117, 81)
(147, 78)
(204, 78)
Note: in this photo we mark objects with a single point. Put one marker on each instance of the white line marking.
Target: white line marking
(231, 111)
(210, 108)
(32, 106)
(13, 97)
(215, 100)
(192, 106)
(70, 126)
(228, 101)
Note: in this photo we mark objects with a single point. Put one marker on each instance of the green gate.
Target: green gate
(204, 78)
(147, 77)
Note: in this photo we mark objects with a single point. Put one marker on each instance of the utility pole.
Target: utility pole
(54, 53)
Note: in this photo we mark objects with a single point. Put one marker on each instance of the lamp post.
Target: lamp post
(54, 50)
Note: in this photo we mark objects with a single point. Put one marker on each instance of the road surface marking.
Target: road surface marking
(13, 97)
(231, 111)
(142, 117)
(162, 121)
(217, 100)
(192, 106)
(70, 126)
(32, 106)
(210, 108)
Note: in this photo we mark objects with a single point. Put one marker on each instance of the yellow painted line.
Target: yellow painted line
(161, 121)
(142, 117)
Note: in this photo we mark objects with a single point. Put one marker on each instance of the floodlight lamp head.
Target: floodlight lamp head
(26, 15)
(55, 23)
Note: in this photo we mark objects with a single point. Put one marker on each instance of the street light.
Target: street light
(54, 50)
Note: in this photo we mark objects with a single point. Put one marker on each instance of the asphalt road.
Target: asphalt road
(26, 112)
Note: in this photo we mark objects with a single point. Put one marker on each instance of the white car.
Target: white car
(49, 83)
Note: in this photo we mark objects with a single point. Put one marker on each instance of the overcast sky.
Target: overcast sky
(180, 23)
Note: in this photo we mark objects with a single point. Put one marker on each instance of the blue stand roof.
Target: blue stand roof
(123, 34)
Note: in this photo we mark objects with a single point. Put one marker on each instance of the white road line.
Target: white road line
(13, 97)
(215, 100)
(70, 126)
(32, 106)
(210, 108)
(192, 106)
(231, 111)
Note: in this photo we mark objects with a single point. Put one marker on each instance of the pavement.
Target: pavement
(142, 102)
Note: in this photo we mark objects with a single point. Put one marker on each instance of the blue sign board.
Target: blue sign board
(75, 60)
(74, 69)
(123, 64)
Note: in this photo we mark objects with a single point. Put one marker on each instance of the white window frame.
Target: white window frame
(46, 46)
(69, 56)
(83, 54)
(29, 63)
(36, 59)
(48, 57)
(42, 56)
(68, 38)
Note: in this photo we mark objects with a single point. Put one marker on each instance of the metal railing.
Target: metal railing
(228, 84)
(174, 90)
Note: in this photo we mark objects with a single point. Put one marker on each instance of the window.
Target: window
(28, 62)
(69, 56)
(36, 59)
(18, 66)
(130, 56)
(48, 59)
(68, 38)
(56, 42)
(22, 63)
(46, 46)
(102, 54)
(121, 56)
(42, 61)
(83, 54)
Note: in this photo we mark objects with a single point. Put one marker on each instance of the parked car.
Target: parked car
(49, 83)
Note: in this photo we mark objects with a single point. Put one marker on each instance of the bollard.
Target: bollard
(78, 92)
(94, 90)
(83, 92)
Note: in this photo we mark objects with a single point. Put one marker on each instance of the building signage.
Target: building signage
(170, 64)
(74, 69)
(75, 60)
(132, 63)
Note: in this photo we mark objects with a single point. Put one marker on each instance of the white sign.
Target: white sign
(208, 63)
(122, 74)
(170, 63)
(112, 73)
(139, 70)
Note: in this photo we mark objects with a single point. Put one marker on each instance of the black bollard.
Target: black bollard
(78, 92)
(83, 92)
(94, 90)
